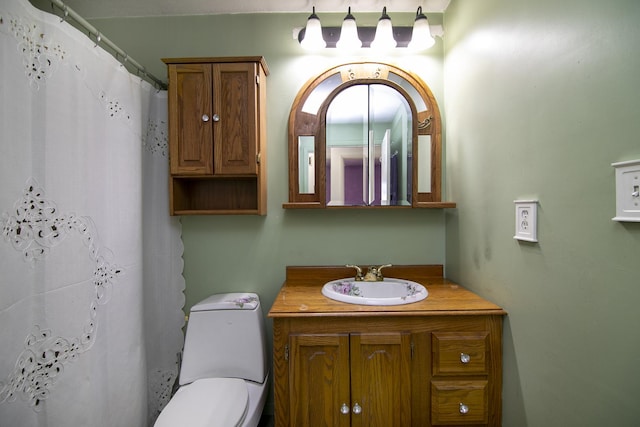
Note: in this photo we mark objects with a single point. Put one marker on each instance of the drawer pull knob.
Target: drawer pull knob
(357, 409)
(344, 409)
(216, 118)
(464, 409)
(465, 358)
(205, 118)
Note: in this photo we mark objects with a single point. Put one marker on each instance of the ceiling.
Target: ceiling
(92, 9)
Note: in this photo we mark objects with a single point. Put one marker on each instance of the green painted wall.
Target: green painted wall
(541, 97)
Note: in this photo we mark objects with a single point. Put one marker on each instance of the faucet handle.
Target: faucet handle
(359, 275)
(379, 271)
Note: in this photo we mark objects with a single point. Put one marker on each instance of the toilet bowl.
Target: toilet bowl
(224, 374)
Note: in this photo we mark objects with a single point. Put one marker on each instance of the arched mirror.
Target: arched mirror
(365, 135)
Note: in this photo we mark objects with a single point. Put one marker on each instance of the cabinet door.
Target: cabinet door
(190, 119)
(381, 380)
(235, 98)
(319, 380)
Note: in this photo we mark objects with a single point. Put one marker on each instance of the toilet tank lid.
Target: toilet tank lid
(228, 301)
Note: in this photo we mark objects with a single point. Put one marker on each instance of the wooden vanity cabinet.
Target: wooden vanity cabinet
(217, 135)
(437, 362)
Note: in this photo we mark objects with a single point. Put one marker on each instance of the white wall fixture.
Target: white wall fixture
(627, 191)
(526, 220)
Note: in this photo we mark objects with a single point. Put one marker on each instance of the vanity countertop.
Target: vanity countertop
(301, 296)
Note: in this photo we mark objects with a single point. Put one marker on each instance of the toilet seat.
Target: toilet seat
(209, 402)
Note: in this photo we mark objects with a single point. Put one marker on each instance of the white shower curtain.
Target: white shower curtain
(91, 287)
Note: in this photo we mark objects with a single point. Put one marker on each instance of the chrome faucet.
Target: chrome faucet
(374, 274)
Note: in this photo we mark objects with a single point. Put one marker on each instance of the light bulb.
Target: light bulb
(384, 33)
(421, 37)
(349, 34)
(313, 39)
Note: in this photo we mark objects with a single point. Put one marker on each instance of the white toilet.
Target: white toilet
(224, 373)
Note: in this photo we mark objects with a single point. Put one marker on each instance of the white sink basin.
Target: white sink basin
(387, 292)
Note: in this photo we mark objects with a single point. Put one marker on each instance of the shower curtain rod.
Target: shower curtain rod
(119, 54)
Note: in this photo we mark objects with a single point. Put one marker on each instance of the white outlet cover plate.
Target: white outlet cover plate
(627, 191)
(526, 220)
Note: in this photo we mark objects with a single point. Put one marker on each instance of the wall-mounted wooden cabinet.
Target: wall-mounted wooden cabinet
(217, 135)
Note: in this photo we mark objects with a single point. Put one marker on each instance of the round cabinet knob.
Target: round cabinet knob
(357, 409)
(344, 409)
(464, 409)
(216, 118)
(205, 118)
(465, 358)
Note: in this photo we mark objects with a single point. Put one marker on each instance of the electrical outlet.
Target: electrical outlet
(526, 220)
(627, 191)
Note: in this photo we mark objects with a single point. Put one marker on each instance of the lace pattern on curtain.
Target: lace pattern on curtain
(35, 229)
(40, 56)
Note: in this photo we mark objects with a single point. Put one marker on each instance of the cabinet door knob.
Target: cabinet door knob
(357, 409)
(205, 118)
(344, 409)
(216, 118)
(464, 409)
(465, 358)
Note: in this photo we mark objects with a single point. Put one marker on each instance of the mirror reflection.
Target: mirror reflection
(368, 148)
(307, 165)
(424, 158)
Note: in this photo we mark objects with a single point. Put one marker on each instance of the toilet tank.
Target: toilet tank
(225, 338)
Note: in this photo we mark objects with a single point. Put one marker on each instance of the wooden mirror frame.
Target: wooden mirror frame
(302, 123)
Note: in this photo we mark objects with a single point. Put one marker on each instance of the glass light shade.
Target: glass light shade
(313, 39)
(384, 33)
(421, 37)
(349, 34)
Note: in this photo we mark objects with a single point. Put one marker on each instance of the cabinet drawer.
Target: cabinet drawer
(460, 353)
(459, 402)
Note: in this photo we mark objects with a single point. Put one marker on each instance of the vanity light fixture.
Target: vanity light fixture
(313, 39)
(384, 36)
(421, 38)
(384, 33)
(349, 33)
